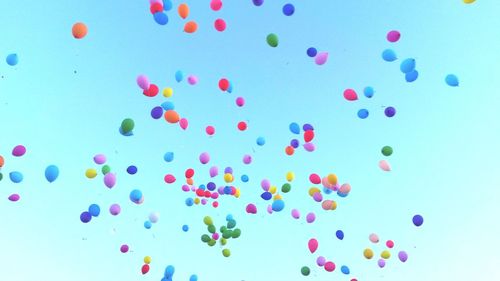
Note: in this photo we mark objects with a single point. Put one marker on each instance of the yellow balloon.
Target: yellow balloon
(332, 179)
(237, 193)
(385, 254)
(334, 205)
(91, 173)
(469, 1)
(290, 176)
(147, 259)
(228, 178)
(277, 197)
(313, 190)
(368, 253)
(197, 200)
(272, 189)
(168, 92)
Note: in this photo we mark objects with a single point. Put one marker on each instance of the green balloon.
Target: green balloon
(106, 169)
(286, 188)
(208, 220)
(387, 150)
(227, 234)
(223, 229)
(272, 40)
(1, 176)
(127, 125)
(205, 238)
(231, 224)
(236, 233)
(226, 253)
(223, 241)
(211, 228)
(212, 242)
(305, 270)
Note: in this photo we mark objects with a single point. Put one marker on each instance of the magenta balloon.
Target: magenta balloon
(309, 146)
(321, 58)
(318, 197)
(270, 209)
(14, 197)
(310, 218)
(19, 151)
(295, 214)
(115, 209)
(192, 79)
(312, 245)
(247, 159)
(204, 158)
(100, 159)
(183, 123)
(110, 180)
(143, 82)
(251, 209)
(214, 171)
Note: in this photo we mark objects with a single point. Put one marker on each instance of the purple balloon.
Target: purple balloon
(320, 261)
(204, 158)
(403, 256)
(19, 151)
(115, 209)
(318, 197)
(85, 217)
(214, 171)
(157, 112)
(247, 159)
(390, 111)
(294, 143)
(307, 127)
(110, 180)
(14, 197)
(228, 170)
(381, 263)
(309, 147)
(100, 159)
(258, 2)
(310, 218)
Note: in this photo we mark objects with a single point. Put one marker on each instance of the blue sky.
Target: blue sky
(445, 140)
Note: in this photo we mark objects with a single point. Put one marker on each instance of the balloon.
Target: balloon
(272, 40)
(290, 176)
(339, 234)
(220, 25)
(192, 80)
(185, 228)
(183, 123)
(311, 52)
(389, 244)
(408, 65)
(278, 205)
(79, 30)
(469, 1)
(295, 214)
(384, 165)
(216, 5)
(389, 55)
(381, 263)
(258, 2)
(145, 269)
(94, 210)
(18, 150)
(85, 217)
(242, 126)
(313, 245)
(403, 256)
(261, 141)
(368, 253)
(135, 196)
(251, 209)
(451, 80)
(2, 161)
(183, 10)
(214, 171)
(247, 159)
(240, 101)
(124, 248)
(286, 188)
(12, 59)
(369, 92)
(168, 105)
(152, 91)
(16, 177)
(329, 266)
(160, 18)
(310, 218)
(363, 113)
(193, 278)
(127, 126)
(390, 111)
(51, 173)
(204, 158)
(288, 9)
(345, 188)
(314, 178)
(310, 147)
(169, 271)
(418, 220)
(115, 209)
(294, 128)
(143, 82)
(393, 36)
(179, 76)
(321, 58)
(385, 254)
(154, 217)
(167, 5)
(411, 76)
(320, 261)
(156, 7)
(373, 238)
(110, 180)
(190, 27)
(169, 178)
(344, 269)
(168, 157)
(171, 116)
(305, 271)
(350, 95)
(226, 253)
(223, 84)
(14, 197)
(157, 112)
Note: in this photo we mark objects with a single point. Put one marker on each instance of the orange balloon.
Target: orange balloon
(190, 181)
(289, 150)
(2, 161)
(79, 30)
(172, 116)
(183, 10)
(190, 27)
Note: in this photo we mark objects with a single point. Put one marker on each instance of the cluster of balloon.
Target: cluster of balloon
(12, 59)
(384, 164)
(228, 231)
(351, 95)
(152, 218)
(158, 9)
(271, 192)
(145, 267)
(295, 143)
(169, 274)
(407, 67)
(93, 211)
(385, 254)
(320, 58)
(330, 184)
(14, 176)
(219, 24)
(321, 261)
(109, 177)
(79, 30)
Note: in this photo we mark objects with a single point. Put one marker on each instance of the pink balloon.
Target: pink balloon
(216, 5)
(143, 82)
(251, 209)
(215, 236)
(310, 218)
(309, 146)
(320, 261)
(295, 214)
(192, 80)
(374, 238)
(210, 130)
(110, 180)
(247, 159)
(100, 159)
(14, 197)
(214, 171)
(183, 123)
(326, 183)
(270, 209)
(314, 178)
(220, 25)
(329, 266)
(350, 95)
(204, 158)
(345, 188)
(115, 209)
(393, 36)
(240, 101)
(124, 248)
(327, 205)
(155, 1)
(19, 151)
(265, 184)
(169, 178)
(185, 188)
(384, 165)
(321, 58)
(313, 245)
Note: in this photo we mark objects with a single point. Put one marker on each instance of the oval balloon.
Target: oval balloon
(51, 173)
(313, 245)
(272, 40)
(321, 58)
(389, 55)
(452, 80)
(79, 30)
(183, 10)
(190, 27)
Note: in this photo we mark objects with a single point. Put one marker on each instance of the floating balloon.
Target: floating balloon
(210, 130)
(368, 92)
(115, 209)
(278, 205)
(179, 76)
(192, 80)
(344, 269)
(381, 263)
(214, 171)
(251, 209)
(240, 101)
(390, 111)
(313, 245)
(363, 113)
(12, 59)
(309, 147)
(310, 217)
(385, 254)
(51, 173)
(124, 248)
(403, 256)
(19, 150)
(14, 197)
(127, 126)
(223, 84)
(167, 5)
(408, 65)
(91, 173)
(154, 217)
(247, 159)
(226, 253)
(452, 80)
(216, 5)
(418, 220)
(258, 2)
(469, 1)
(145, 269)
(389, 244)
(350, 95)
(169, 271)
(242, 126)
(368, 253)
(79, 30)
(305, 271)
(110, 180)
(393, 36)
(329, 266)
(183, 10)
(157, 112)
(288, 9)
(152, 91)
(294, 128)
(136, 196)
(193, 278)
(183, 123)
(156, 7)
(143, 82)
(85, 217)
(321, 58)
(204, 158)
(190, 27)
(311, 52)
(389, 55)
(171, 116)
(411, 76)
(220, 25)
(94, 210)
(272, 40)
(169, 178)
(2, 161)
(16, 177)
(384, 165)
(160, 18)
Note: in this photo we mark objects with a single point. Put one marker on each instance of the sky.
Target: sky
(66, 98)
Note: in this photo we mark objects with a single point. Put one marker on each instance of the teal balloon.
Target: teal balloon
(451, 80)
(12, 59)
(411, 76)
(408, 65)
(179, 76)
(16, 177)
(389, 55)
(51, 173)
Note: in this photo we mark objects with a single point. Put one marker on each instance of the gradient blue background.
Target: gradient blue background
(446, 140)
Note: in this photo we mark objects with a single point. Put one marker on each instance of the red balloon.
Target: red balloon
(208, 194)
(308, 135)
(242, 126)
(224, 84)
(215, 204)
(156, 7)
(189, 173)
(145, 269)
(200, 192)
(151, 91)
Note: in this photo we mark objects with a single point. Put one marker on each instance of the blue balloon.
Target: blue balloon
(229, 217)
(258, 2)
(167, 5)
(288, 9)
(160, 18)
(169, 271)
(132, 170)
(230, 88)
(85, 217)
(135, 195)
(168, 157)
(278, 205)
(94, 210)
(308, 127)
(261, 141)
(244, 178)
(189, 202)
(312, 52)
(51, 173)
(411, 76)
(12, 59)
(157, 112)
(179, 76)
(369, 92)
(451, 80)
(339, 234)
(266, 195)
(147, 225)
(363, 113)
(193, 278)
(185, 228)
(16, 177)
(418, 220)
(295, 143)
(344, 269)
(294, 128)
(168, 105)
(327, 190)
(211, 186)
(340, 194)
(131, 133)
(227, 190)
(389, 55)
(408, 65)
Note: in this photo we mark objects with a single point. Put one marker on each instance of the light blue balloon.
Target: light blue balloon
(16, 177)
(94, 210)
(230, 88)
(185, 228)
(363, 113)
(345, 269)
(51, 173)
(168, 157)
(278, 205)
(327, 190)
(244, 178)
(12, 59)
(179, 76)
(135, 195)
(189, 202)
(389, 55)
(369, 92)
(411, 76)
(261, 141)
(168, 105)
(408, 65)
(167, 5)
(451, 80)
(229, 217)
(294, 128)
(147, 224)
(160, 18)
(169, 271)
(193, 278)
